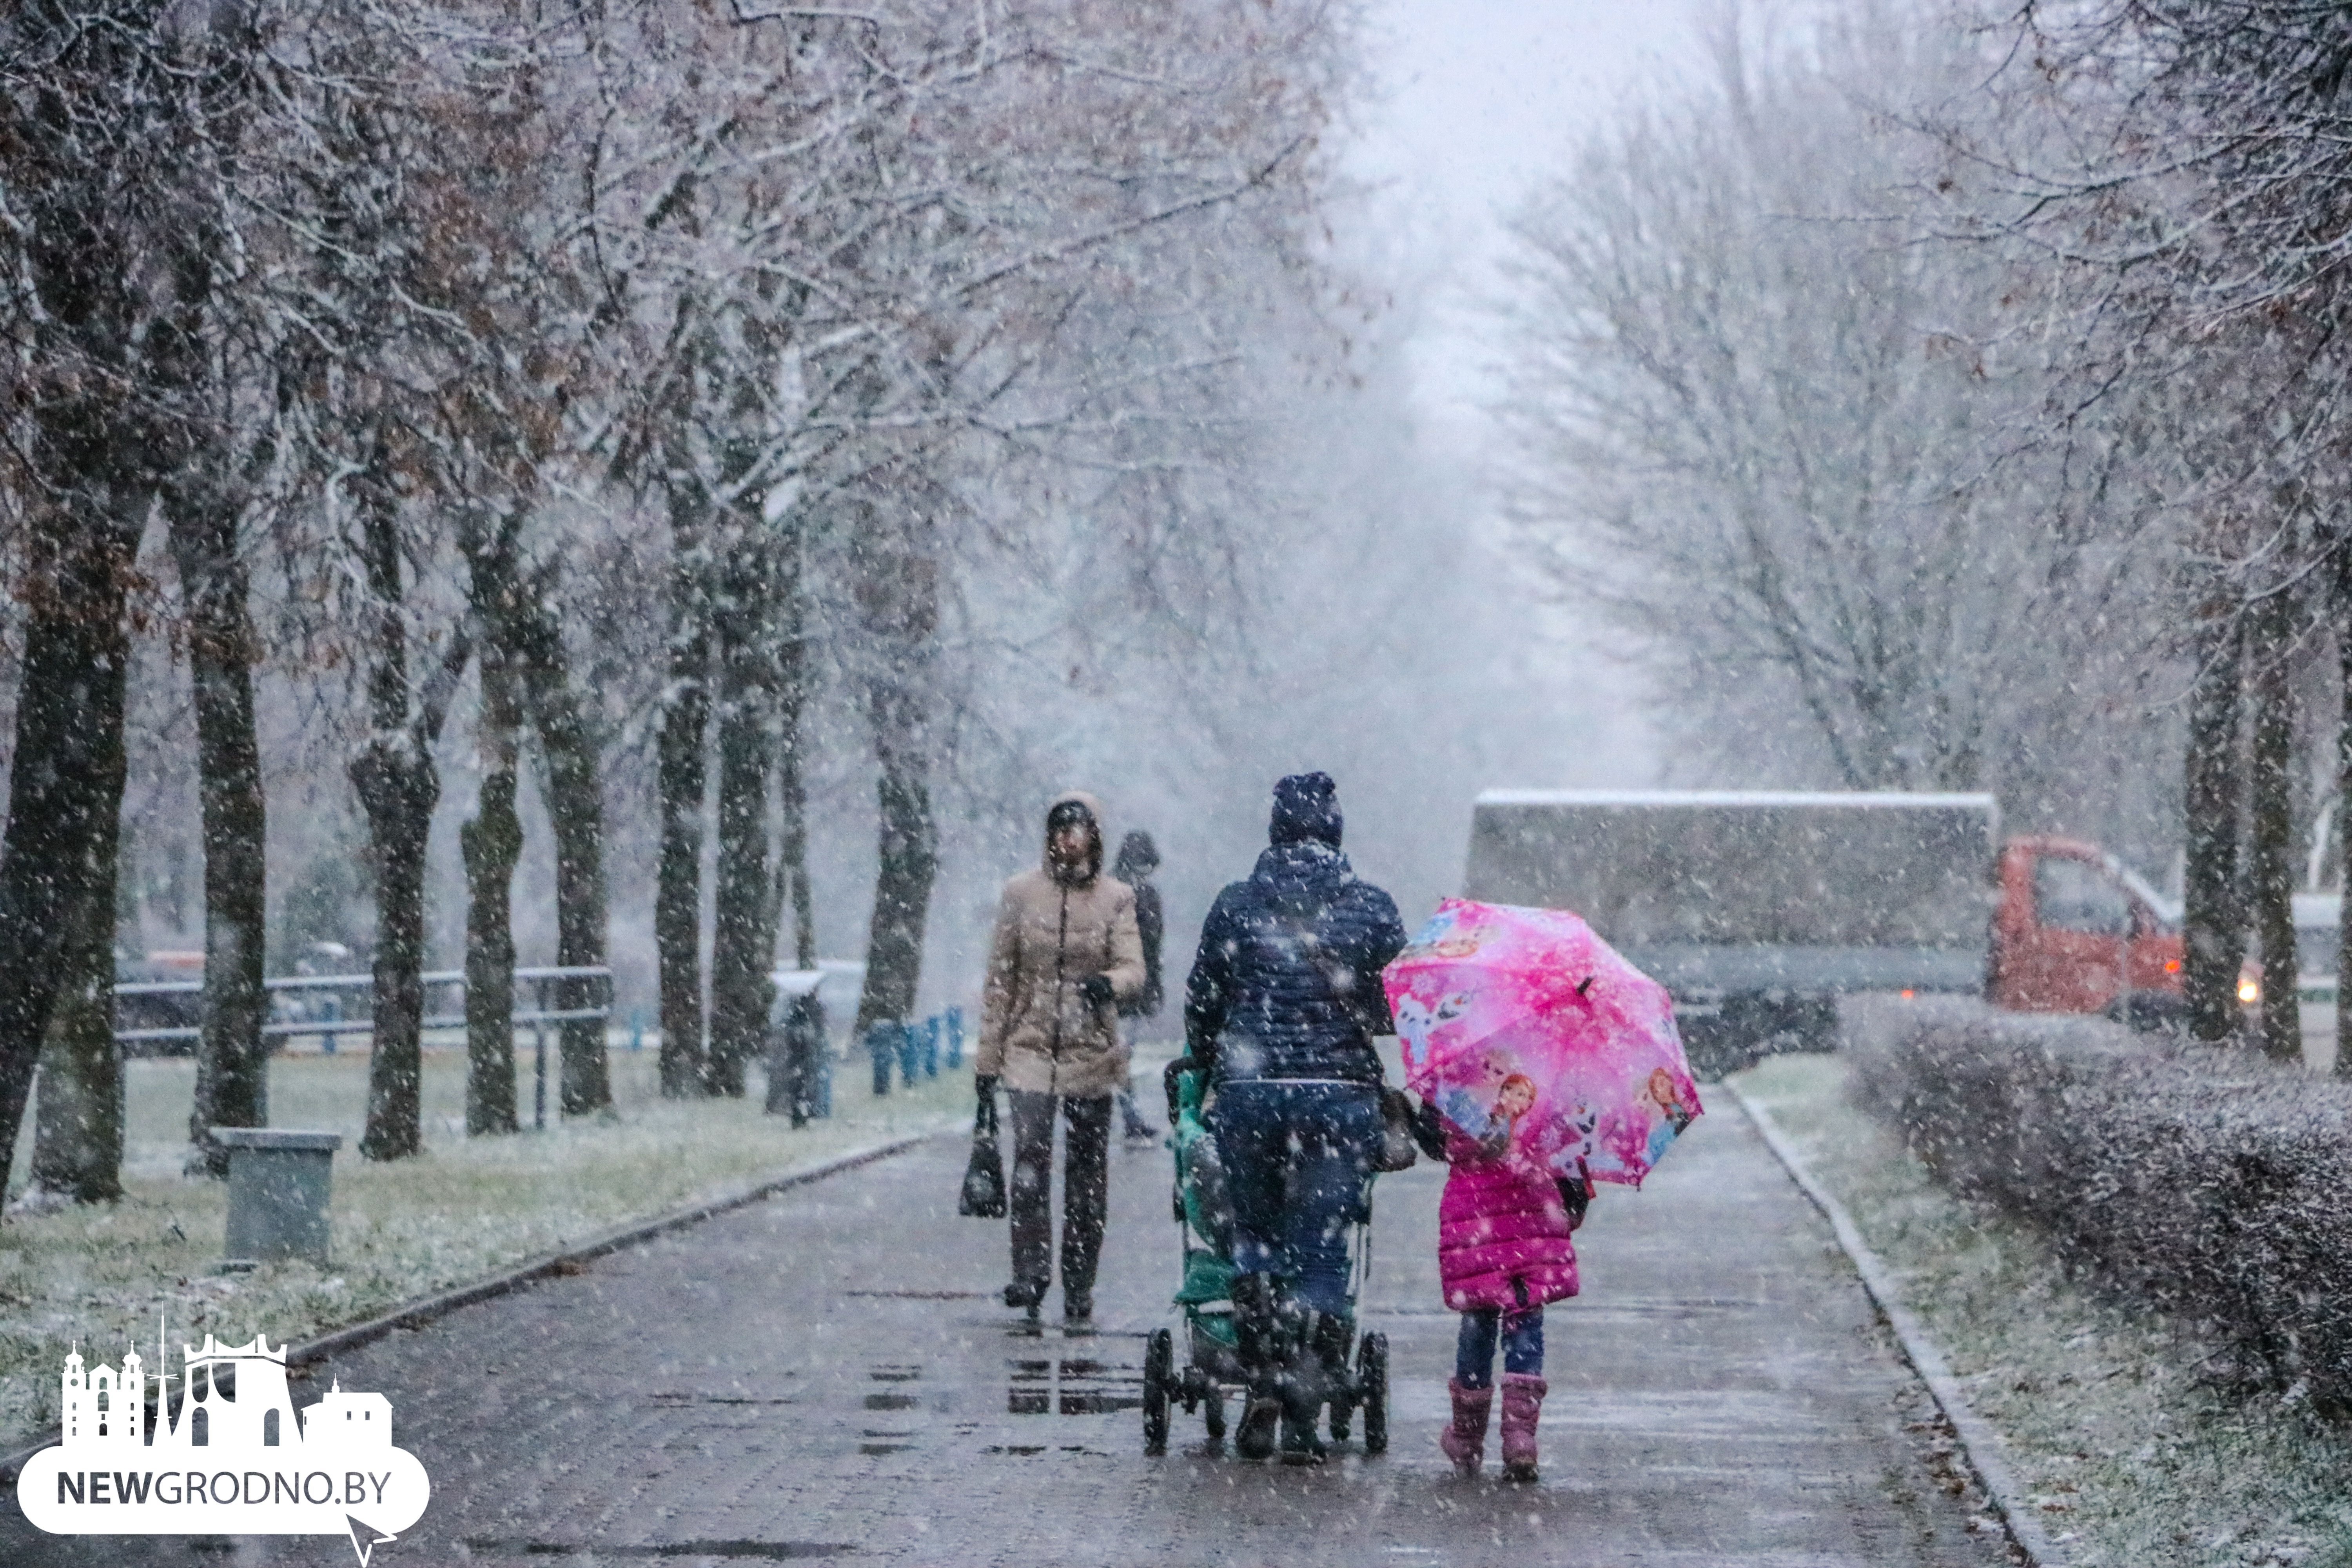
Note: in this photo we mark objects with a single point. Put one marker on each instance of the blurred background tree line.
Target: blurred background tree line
(677, 483)
(1952, 396)
(622, 404)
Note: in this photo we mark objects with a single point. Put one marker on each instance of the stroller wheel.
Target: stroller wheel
(1214, 1412)
(1372, 1384)
(1159, 1379)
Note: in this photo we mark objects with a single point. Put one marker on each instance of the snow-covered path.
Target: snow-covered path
(825, 1377)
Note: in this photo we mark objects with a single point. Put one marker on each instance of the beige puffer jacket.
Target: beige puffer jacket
(1037, 1031)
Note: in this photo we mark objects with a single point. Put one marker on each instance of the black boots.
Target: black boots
(1296, 1360)
(1259, 1346)
(1317, 1376)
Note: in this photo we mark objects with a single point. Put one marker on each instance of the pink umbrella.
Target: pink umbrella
(1529, 1033)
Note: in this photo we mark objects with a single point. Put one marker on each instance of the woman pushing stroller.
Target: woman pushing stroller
(1280, 1011)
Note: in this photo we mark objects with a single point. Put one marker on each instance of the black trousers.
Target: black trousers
(1085, 1187)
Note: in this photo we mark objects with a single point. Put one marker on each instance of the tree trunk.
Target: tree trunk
(232, 1057)
(899, 597)
(792, 788)
(78, 1122)
(398, 786)
(87, 458)
(743, 934)
(573, 786)
(398, 793)
(2212, 922)
(909, 845)
(2271, 823)
(686, 717)
(491, 844)
(61, 802)
(2343, 808)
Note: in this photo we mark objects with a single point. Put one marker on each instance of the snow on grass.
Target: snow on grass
(464, 1208)
(2136, 1457)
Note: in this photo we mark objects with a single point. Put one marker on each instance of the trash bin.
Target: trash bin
(278, 1188)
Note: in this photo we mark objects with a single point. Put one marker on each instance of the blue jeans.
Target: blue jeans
(1297, 1158)
(1522, 1337)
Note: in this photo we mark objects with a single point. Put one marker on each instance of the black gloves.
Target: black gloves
(1428, 1131)
(1097, 990)
(985, 1083)
(1576, 1196)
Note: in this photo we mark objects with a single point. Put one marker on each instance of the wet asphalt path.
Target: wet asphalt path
(826, 1377)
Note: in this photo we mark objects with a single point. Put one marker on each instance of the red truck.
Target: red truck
(2073, 931)
(1759, 908)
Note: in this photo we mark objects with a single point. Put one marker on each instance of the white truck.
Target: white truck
(1755, 909)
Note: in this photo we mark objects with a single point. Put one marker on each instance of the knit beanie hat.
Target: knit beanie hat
(1305, 808)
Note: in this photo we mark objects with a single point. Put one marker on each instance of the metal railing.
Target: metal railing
(332, 988)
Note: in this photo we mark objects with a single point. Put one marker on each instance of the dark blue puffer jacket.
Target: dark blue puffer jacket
(1287, 982)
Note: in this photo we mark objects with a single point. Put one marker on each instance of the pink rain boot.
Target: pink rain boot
(1464, 1441)
(1522, 1404)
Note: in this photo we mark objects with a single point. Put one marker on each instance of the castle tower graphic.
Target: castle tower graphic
(102, 1407)
(232, 1397)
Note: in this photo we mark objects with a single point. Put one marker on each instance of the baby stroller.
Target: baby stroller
(1212, 1362)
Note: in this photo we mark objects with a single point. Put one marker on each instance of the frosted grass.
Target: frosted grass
(2134, 1454)
(464, 1208)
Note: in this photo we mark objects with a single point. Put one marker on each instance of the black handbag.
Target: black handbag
(1397, 1140)
(984, 1178)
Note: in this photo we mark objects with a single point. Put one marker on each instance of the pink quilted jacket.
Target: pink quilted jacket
(1502, 1233)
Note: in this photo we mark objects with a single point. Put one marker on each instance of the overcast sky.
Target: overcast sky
(1472, 101)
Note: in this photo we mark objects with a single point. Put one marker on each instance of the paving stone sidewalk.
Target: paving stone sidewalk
(826, 1377)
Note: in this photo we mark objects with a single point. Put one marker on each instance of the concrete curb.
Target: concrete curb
(1980, 1445)
(425, 1309)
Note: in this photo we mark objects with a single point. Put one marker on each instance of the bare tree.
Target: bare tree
(76, 183)
(1788, 449)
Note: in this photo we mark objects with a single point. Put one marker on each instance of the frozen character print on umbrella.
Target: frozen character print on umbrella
(1489, 992)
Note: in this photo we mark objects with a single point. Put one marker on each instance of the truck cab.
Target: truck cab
(2073, 931)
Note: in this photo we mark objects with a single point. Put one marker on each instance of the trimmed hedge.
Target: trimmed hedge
(2200, 1180)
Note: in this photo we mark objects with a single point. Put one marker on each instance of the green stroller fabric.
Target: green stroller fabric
(1208, 1272)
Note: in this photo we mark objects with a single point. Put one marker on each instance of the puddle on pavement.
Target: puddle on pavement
(752, 1551)
(1071, 1385)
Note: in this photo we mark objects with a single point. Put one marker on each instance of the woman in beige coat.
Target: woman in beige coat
(1067, 951)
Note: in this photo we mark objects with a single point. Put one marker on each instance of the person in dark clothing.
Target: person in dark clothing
(1281, 1007)
(1138, 858)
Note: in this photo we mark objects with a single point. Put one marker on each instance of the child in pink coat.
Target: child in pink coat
(1504, 1250)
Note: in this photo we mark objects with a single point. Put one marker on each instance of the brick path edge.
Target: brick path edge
(1980, 1445)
